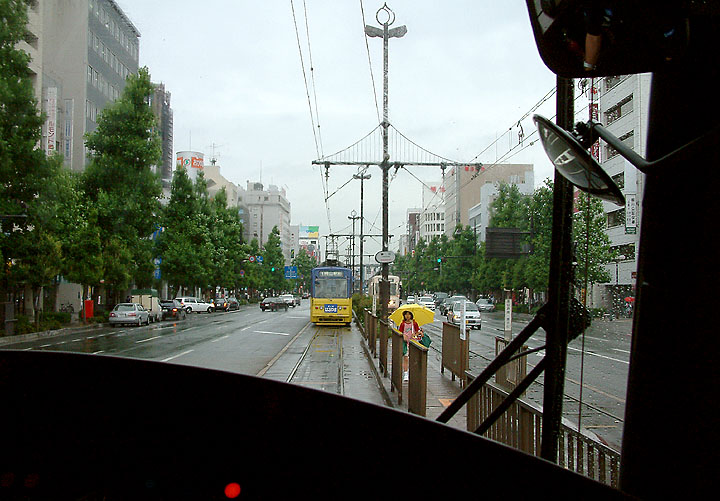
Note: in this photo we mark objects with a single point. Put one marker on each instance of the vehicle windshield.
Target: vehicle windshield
(327, 288)
(174, 148)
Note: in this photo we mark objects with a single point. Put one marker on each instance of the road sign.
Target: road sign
(252, 259)
(259, 259)
(242, 273)
(385, 257)
(291, 272)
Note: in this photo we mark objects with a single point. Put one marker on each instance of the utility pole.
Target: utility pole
(353, 216)
(386, 34)
(362, 177)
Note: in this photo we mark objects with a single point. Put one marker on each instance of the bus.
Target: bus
(331, 295)
(374, 291)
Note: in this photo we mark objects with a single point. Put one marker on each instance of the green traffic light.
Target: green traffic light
(272, 269)
(439, 260)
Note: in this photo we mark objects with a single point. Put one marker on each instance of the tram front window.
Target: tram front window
(331, 288)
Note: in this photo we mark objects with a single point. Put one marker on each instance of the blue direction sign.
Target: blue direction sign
(291, 272)
(259, 259)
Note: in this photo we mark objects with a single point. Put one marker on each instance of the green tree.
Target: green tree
(538, 262)
(23, 167)
(273, 259)
(592, 249)
(304, 264)
(226, 243)
(120, 180)
(184, 244)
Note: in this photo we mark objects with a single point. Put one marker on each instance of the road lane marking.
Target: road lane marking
(76, 340)
(218, 339)
(622, 351)
(601, 356)
(268, 332)
(148, 339)
(176, 356)
(27, 349)
(45, 345)
(96, 352)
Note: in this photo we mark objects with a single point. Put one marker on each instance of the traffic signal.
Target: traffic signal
(272, 269)
(439, 260)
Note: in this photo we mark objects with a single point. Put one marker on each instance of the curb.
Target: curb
(33, 336)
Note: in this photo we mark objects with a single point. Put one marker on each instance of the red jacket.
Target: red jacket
(416, 329)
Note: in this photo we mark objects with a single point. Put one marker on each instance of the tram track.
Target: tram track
(321, 364)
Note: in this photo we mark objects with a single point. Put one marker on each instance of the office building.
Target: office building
(265, 210)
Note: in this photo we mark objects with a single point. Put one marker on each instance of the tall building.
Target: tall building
(623, 109)
(160, 104)
(266, 209)
(431, 220)
(216, 181)
(471, 190)
(86, 49)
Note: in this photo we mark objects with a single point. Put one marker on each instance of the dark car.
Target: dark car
(233, 304)
(172, 309)
(273, 304)
(220, 303)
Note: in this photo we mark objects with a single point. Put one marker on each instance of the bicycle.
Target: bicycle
(67, 308)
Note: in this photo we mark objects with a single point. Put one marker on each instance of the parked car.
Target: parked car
(273, 304)
(172, 309)
(427, 301)
(485, 304)
(472, 314)
(233, 304)
(289, 299)
(220, 303)
(410, 300)
(149, 300)
(129, 313)
(194, 304)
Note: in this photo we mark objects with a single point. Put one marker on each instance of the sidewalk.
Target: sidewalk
(441, 389)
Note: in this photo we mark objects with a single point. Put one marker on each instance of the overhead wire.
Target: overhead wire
(312, 118)
(367, 48)
(312, 78)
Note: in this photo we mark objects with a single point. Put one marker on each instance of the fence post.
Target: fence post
(366, 324)
(384, 333)
(417, 387)
(396, 370)
(473, 407)
(372, 333)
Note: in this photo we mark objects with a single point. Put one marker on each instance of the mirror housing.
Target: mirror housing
(578, 38)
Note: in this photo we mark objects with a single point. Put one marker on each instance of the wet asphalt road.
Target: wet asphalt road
(243, 341)
(604, 377)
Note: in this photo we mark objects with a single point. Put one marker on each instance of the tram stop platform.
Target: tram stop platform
(339, 360)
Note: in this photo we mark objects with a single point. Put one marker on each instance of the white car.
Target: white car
(195, 305)
(129, 313)
(472, 314)
(427, 301)
(410, 300)
(289, 299)
(485, 304)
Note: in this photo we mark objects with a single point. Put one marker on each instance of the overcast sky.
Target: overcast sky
(465, 73)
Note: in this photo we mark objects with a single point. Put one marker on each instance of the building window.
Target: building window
(619, 180)
(627, 250)
(611, 82)
(627, 139)
(621, 109)
(616, 218)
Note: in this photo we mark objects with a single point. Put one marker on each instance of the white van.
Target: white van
(195, 305)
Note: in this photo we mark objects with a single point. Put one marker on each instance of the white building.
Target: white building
(623, 110)
(431, 221)
(263, 210)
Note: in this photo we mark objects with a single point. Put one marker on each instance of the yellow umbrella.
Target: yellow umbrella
(420, 314)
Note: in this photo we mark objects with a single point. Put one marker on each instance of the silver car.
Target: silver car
(472, 314)
(485, 304)
(129, 313)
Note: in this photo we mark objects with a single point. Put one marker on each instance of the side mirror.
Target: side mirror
(579, 38)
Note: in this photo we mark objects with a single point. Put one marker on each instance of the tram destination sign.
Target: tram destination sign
(385, 257)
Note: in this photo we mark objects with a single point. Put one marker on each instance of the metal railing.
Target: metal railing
(521, 427)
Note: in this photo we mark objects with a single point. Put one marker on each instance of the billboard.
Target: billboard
(51, 120)
(309, 232)
(192, 161)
